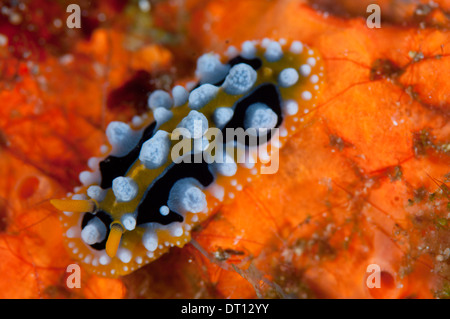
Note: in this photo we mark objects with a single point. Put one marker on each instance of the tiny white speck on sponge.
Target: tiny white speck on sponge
(124, 188)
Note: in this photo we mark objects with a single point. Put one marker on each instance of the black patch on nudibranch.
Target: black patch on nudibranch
(265, 93)
(158, 193)
(114, 166)
(106, 219)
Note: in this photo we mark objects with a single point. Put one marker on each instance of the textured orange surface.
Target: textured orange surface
(363, 183)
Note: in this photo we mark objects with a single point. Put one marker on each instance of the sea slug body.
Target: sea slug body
(158, 177)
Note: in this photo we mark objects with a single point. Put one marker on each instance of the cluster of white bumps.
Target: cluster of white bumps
(187, 195)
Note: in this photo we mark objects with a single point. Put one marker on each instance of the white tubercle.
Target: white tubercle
(202, 95)
(150, 240)
(73, 232)
(210, 69)
(217, 191)
(176, 230)
(154, 152)
(104, 259)
(96, 192)
(137, 120)
(160, 98)
(231, 52)
(196, 123)
(164, 210)
(162, 115)
(89, 178)
(311, 61)
(290, 107)
(79, 196)
(125, 189)
(93, 162)
(296, 47)
(305, 70)
(248, 50)
(180, 95)
(314, 79)
(288, 77)
(186, 196)
(200, 144)
(128, 221)
(306, 95)
(274, 52)
(225, 167)
(222, 115)
(240, 80)
(260, 117)
(121, 137)
(94, 232)
(124, 255)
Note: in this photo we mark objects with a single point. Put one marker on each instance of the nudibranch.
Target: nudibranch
(167, 170)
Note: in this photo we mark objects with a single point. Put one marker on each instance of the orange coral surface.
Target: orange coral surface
(365, 182)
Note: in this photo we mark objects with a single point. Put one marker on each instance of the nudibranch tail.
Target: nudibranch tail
(169, 169)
